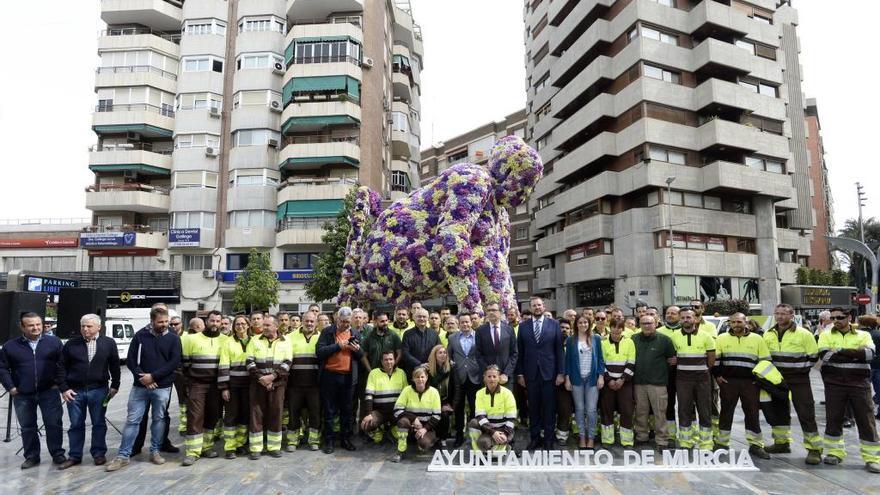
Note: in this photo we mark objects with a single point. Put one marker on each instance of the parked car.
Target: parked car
(122, 331)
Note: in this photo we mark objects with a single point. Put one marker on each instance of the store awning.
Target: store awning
(310, 208)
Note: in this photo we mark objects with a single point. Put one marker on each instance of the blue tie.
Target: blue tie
(538, 330)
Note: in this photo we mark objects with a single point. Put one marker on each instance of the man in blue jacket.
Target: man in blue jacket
(30, 369)
(540, 368)
(90, 360)
(153, 355)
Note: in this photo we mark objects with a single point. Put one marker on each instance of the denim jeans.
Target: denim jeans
(87, 401)
(49, 402)
(137, 404)
(585, 400)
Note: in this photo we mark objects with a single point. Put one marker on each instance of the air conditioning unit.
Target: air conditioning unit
(211, 152)
(273, 143)
(207, 273)
(215, 112)
(278, 68)
(275, 106)
(367, 62)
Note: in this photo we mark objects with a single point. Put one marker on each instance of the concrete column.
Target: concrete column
(766, 246)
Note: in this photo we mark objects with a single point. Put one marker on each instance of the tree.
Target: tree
(257, 286)
(328, 269)
(872, 239)
(727, 307)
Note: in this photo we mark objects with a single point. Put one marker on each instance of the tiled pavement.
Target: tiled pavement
(367, 471)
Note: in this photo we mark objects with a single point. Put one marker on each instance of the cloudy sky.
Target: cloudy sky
(473, 74)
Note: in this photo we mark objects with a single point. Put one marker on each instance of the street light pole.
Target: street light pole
(862, 197)
(669, 181)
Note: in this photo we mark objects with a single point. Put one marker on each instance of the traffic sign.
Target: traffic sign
(863, 299)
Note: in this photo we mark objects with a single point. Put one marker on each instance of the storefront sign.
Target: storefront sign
(107, 239)
(283, 276)
(48, 285)
(124, 252)
(803, 296)
(40, 242)
(184, 237)
(142, 297)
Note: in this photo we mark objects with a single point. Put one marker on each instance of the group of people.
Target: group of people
(269, 384)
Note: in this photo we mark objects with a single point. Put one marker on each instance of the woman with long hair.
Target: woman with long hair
(417, 412)
(439, 377)
(584, 369)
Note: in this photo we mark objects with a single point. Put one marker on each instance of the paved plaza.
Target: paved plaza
(367, 471)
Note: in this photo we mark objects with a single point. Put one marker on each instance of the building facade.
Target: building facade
(229, 125)
(474, 147)
(823, 206)
(674, 141)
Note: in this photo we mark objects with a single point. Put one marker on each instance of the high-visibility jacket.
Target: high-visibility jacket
(736, 356)
(846, 357)
(383, 390)
(265, 357)
(770, 380)
(620, 358)
(444, 339)
(692, 352)
(793, 351)
(709, 328)
(668, 330)
(201, 357)
(401, 331)
(495, 412)
(233, 364)
(305, 360)
(423, 406)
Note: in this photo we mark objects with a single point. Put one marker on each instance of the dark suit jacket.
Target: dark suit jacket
(542, 359)
(506, 355)
(464, 367)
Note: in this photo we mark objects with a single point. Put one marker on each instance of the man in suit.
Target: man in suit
(466, 372)
(496, 344)
(540, 368)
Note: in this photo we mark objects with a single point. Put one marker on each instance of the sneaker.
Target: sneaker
(397, 457)
(117, 464)
(779, 448)
(189, 460)
(275, 453)
(157, 459)
(814, 457)
(254, 456)
(832, 460)
(210, 454)
(758, 452)
(290, 448)
(231, 454)
(873, 467)
(314, 447)
(29, 463)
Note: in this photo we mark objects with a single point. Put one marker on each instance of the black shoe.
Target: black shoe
(328, 449)
(535, 444)
(100, 461)
(275, 453)
(459, 441)
(59, 459)
(551, 445)
(171, 449)
(254, 456)
(29, 463)
(347, 445)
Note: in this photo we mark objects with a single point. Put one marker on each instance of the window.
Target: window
(399, 122)
(317, 52)
(426, 169)
(541, 83)
(787, 256)
(541, 143)
(196, 141)
(188, 262)
(194, 179)
(204, 26)
(588, 210)
(746, 45)
(667, 3)
(522, 260)
(592, 248)
(765, 164)
(763, 19)
(250, 24)
(696, 241)
(712, 202)
(237, 261)
(299, 261)
(256, 97)
(745, 246)
(40, 263)
(522, 233)
(192, 220)
(662, 74)
(253, 177)
(202, 64)
(194, 101)
(400, 181)
(660, 36)
(716, 243)
(521, 210)
(255, 137)
(736, 205)
(693, 200)
(667, 155)
(457, 157)
(520, 133)
(258, 61)
(760, 87)
(243, 219)
(522, 286)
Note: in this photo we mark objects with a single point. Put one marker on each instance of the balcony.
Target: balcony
(130, 38)
(722, 134)
(788, 272)
(315, 152)
(715, 93)
(147, 120)
(135, 75)
(248, 237)
(130, 157)
(162, 15)
(140, 198)
(402, 85)
(599, 267)
(333, 65)
(400, 144)
(312, 11)
(322, 28)
(719, 264)
(727, 176)
(546, 279)
(314, 116)
(122, 237)
(309, 188)
(301, 231)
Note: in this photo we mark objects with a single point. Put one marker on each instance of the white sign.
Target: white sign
(588, 461)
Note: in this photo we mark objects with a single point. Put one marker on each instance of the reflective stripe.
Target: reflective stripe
(695, 367)
(743, 364)
(784, 364)
(861, 366)
(305, 366)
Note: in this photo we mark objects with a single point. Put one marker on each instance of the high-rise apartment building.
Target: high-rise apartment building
(823, 206)
(674, 142)
(226, 125)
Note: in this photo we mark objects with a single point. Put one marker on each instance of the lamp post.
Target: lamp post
(862, 197)
(669, 181)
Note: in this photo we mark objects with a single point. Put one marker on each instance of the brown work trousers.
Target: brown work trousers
(622, 400)
(304, 397)
(836, 399)
(694, 390)
(404, 424)
(203, 407)
(237, 410)
(778, 411)
(745, 391)
(266, 406)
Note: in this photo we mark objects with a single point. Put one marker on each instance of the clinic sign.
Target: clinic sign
(107, 239)
(184, 237)
(588, 461)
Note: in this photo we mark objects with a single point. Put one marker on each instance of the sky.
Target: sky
(474, 74)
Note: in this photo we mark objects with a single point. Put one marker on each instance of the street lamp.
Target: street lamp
(669, 181)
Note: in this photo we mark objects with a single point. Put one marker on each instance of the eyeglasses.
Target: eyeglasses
(601, 319)
(175, 324)
(839, 317)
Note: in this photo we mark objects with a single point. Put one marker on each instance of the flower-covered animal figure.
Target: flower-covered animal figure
(451, 236)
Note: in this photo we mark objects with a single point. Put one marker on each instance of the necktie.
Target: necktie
(538, 330)
(497, 335)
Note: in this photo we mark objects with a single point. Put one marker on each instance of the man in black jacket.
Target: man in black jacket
(90, 360)
(30, 369)
(338, 352)
(496, 344)
(418, 342)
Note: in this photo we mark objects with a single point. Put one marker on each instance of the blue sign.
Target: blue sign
(290, 276)
(184, 237)
(49, 285)
(107, 239)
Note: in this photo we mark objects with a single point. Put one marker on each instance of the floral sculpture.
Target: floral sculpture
(452, 236)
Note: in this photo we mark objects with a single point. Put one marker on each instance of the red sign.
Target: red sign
(40, 242)
(123, 252)
(862, 299)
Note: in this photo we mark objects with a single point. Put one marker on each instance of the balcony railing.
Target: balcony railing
(126, 69)
(128, 187)
(135, 107)
(128, 147)
(321, 138)
(317, 181)
(328, 59)
(131, 31)
(352, 19)
(303, 223)
(144, 229)
(43, 221)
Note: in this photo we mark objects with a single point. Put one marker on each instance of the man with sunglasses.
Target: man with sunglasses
(704, 326)
(794, 352)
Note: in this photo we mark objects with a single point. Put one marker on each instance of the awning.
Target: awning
(318, 120)
(310, 208)
(346, 84)
(304, 162)
(145, 129)
(133, 167)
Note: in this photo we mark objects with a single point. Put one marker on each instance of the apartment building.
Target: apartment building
(226, 125)
(821, 201)
(475, 146)
(674, 141)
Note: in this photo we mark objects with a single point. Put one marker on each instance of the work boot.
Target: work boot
(254, 456)
(117, 464)
(779, 448)
(758, 452)
(275, 453)
(313, 447)
(157, 459)
(210, 454)
(230, 454)
(397, 457)
(832, 460)
(814, 457)
(873, 467)
(189, 460)
(290, 448)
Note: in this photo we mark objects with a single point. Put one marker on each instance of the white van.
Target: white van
(122, 331)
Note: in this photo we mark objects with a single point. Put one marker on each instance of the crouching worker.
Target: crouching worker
(495, 412)
(382, 391)
(417, 411)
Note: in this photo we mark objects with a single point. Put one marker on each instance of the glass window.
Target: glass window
(298, 261)
(712, 202)
(242, 219)
(746, 45)
(767, 90)
(754, 162)
(399, 122)
(522, 260)
(196, 261)
(521, 210)
(653, 72)
(196, 64)
(775, 166)
(750, 85)
(237, 261)
(522, 286)
(522, 233)
(255, 137)
(696, 241)
(653, 198)
(693, 200)
(676, 157)
(193, 220)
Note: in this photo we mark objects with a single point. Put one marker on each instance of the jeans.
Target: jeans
(875, 380)
(49, 402)
(87, 401)
(586, 398)
(337, 393)
(138, 400)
